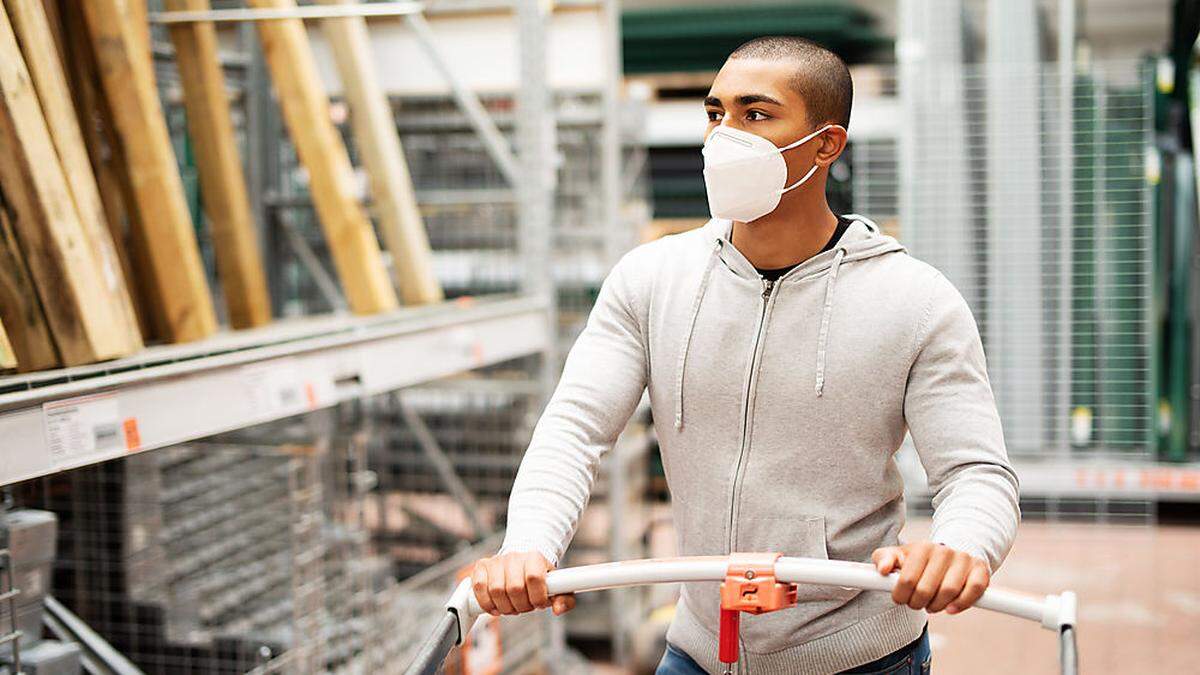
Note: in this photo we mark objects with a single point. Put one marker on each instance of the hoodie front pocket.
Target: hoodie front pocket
(798, 536)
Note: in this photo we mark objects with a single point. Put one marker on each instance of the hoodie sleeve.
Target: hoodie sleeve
(601, 384)
(951, 413)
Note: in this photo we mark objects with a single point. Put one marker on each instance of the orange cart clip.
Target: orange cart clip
(750, 586)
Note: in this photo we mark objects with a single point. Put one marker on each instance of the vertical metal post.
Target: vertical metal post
(935, 190)
(1015, 224)
(1066, 176)
(1194, 265)
(262, 161)
(536, 156)
(1100, 325)
(611, 189)
(610, 134)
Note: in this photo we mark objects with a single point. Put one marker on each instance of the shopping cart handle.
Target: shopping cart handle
(1053, 612)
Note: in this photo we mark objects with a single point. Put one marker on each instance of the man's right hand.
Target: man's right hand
(514, 583)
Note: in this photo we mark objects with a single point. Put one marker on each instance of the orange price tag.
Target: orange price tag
(133, 439)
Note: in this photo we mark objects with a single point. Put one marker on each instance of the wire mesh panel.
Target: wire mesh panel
(410, 609)
(1055, 252)
(875, 187)
(181, 558)
(220, 557)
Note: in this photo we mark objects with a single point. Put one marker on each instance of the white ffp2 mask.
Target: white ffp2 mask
(745, 174)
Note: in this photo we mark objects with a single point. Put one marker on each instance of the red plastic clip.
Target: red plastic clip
(750, 586)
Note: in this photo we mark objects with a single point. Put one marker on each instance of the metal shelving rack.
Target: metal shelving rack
(63, 419)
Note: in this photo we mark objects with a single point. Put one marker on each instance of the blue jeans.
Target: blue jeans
(912, 659)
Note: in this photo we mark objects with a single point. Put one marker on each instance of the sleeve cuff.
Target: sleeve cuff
(964, 545)
(527, 546)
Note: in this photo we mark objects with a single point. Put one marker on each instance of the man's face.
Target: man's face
(757, 96)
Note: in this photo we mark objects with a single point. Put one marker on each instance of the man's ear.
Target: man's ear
(833, 142)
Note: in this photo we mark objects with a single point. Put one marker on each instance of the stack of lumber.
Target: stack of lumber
(98, 252)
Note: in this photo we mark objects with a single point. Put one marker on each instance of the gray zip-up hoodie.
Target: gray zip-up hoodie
(778, 408)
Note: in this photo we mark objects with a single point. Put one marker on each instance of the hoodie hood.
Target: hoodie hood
(861, 241)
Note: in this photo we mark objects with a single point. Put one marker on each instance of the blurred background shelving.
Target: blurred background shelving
(298, 497)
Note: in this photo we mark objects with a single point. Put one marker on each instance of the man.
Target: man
(786, 351)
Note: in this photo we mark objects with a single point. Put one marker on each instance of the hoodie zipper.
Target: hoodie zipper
(755, 356)
(768, 290)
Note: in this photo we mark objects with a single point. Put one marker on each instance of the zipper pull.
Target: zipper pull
(768, 286)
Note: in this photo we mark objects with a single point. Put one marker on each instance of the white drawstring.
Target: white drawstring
(687, 339)
(823, 336)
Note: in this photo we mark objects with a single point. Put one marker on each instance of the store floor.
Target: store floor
(1139, 603)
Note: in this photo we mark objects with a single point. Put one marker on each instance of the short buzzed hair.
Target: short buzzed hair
(821, 78)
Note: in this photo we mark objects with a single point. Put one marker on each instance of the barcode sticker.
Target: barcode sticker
(104, 434)
(83, 429)
(274, 388)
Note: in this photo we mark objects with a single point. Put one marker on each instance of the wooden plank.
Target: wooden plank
(305, 108)
(68, 275)
(222, 183)
(54, 18)
(20, 310)
(108, 164)
(37, 43)
(378, 142)
(128, 85)
(8, 360)
(136, 15)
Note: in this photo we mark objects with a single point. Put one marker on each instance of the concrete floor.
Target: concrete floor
(1139, 603)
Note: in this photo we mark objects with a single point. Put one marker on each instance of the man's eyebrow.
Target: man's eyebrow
(748, 99)
(713, 101)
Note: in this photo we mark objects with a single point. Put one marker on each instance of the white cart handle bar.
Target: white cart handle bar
(1053, 612)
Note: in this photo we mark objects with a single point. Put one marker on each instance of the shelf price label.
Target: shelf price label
(274, 388)
(466, 342)
(280, 388)
(83, 429)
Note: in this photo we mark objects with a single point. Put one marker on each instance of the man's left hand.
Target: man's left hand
(933, 576)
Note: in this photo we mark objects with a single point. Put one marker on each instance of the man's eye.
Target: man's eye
(756, 116)
(715, 115)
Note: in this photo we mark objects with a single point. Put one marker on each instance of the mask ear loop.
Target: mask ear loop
(811, 171)
(800, 182)
(807, 138)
